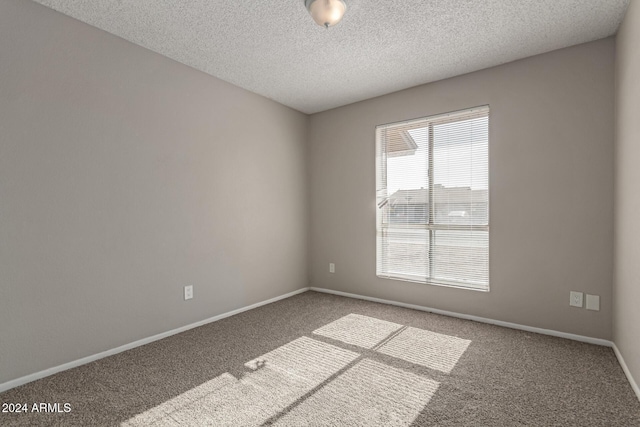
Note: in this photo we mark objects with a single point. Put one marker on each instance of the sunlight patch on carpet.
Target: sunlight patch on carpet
(280, 377)
(355, 329)
(426, 348)
(368, 394)
(310, 381)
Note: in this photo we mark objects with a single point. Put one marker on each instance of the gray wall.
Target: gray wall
(551, 178)
(626, 314)
(125, 176)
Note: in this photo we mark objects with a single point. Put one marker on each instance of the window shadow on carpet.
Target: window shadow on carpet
(333, 376)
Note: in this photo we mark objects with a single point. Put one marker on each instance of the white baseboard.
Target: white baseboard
(627, 372)
(54, 370)
(47, 372)
(582, 338)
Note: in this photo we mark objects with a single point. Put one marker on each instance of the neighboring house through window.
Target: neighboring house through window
(432, 185)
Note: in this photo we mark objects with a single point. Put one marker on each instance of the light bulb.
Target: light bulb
(326, 13)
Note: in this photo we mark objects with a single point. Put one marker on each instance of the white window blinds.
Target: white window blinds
(432, 184)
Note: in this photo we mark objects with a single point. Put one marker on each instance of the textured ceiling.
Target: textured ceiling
(274, 48)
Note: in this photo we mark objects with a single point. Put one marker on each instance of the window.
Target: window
(432, 185)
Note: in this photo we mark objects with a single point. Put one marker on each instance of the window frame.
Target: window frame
(431, 227)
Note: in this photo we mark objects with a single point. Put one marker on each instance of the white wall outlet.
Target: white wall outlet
(332, 267)
(188, 292)
(593, 302)
(575, 299)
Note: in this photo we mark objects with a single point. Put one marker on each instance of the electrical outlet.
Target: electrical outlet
(575, 299)
(332, 267)
(188, 292)
(593, 302)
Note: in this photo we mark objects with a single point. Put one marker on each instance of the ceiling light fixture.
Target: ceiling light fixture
(326, 13)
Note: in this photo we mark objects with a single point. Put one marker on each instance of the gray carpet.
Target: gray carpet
(323, 360)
